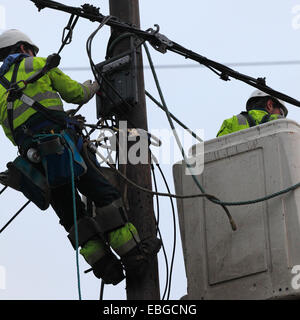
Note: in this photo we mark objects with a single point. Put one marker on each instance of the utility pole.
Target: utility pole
(141, 211)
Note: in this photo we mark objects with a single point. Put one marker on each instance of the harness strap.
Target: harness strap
(24, 98)
(10, 103)
(266, 118)
(249, 118)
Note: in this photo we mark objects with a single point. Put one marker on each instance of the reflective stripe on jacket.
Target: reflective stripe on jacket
(44, 91)
(239, 122)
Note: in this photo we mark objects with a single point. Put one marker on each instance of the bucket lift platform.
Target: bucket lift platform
(256, 260)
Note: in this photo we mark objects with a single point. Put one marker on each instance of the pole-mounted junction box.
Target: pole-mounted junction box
(118, 92)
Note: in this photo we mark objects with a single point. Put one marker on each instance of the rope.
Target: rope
(75, 222)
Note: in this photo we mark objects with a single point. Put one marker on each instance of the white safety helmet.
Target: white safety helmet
(11, 37)
(259, 94)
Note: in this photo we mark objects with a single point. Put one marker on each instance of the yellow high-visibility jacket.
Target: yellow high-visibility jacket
(240, 122)
(48, 91)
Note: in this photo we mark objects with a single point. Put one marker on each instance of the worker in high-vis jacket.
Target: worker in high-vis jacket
(261, 108)
(29, 128)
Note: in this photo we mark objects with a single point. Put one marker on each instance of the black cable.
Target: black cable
(101, 290)
(173, 117)
(174, 228)
(158, 230)
(3, 189)
(15, 215)
(212, 199)
(162, 44)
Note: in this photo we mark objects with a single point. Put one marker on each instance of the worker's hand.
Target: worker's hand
(92, 86)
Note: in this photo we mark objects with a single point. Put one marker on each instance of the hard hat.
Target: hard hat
(260, 94)
(11, 37)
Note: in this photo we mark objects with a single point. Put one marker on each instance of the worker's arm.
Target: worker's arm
(70, 90)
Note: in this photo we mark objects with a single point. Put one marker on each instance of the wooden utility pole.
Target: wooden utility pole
(141, 212)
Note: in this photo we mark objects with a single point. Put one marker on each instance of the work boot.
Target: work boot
(109, 269)
(104, 263)
(136, 260)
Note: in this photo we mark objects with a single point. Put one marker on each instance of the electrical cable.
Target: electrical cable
(14, 216)
(215, 200)
(89, 46)
(158, 230)
(101, 290)
(162, 44)
(232, 223)
(173, 117)
(212, 198)
(3, 189)
(174, 228)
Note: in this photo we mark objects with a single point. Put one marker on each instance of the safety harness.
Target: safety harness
(15, 92)
(251, 121)
(53, 148)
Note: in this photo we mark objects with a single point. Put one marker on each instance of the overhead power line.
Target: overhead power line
(190, 66)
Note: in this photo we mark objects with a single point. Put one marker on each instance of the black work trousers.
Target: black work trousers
(95, 187)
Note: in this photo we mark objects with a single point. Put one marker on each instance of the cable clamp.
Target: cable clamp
(161, 43)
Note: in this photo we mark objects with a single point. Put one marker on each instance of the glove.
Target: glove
(92, 86)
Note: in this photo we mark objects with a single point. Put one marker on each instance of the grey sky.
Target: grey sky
(34, 250)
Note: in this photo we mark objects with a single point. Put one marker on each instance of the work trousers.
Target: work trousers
(92, 185)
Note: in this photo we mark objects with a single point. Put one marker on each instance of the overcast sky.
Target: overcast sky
(35, 254)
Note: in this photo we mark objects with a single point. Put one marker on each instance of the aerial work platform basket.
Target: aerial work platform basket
(259, 260)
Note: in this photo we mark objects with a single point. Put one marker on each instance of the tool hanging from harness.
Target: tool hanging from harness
(251, 120)
(53, 149)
